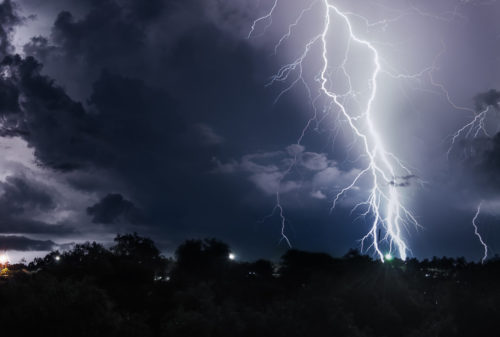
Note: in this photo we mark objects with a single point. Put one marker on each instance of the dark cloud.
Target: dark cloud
(25, 225)
(486, 99)
(20, 201)
(9, 18)
(155, 116)
(48, 119)
(479, 171)
(487, 163)
(143, 11)
(99, 36)
(22, 243)
(39, 47)
(127, 119)
(403, 181)
(207, 135)
(114, 208)
(111, 35)
(20, 195)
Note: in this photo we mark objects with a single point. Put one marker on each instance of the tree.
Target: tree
(138, 258)
(197, 259)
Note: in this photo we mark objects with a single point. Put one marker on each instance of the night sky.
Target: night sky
(156, 117)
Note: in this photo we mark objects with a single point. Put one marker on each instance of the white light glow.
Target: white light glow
(4, 259)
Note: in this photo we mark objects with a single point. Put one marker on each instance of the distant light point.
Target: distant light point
(388, 257)
(4, 259)
(232, 256)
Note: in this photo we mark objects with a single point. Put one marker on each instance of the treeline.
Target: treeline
(130, 289)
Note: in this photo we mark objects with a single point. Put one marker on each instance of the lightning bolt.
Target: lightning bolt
(471, 129)
(476, 232)
(383, 169)
(268, 17)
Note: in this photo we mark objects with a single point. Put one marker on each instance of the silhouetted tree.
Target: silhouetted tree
(137, 258)
(91, 290)
(200, 260)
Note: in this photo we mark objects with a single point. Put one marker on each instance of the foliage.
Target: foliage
(130, 289)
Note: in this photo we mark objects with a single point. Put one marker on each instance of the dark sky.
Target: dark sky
(156, 117)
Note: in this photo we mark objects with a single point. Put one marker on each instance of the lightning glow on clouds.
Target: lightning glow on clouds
(384, 205)
(338, 91)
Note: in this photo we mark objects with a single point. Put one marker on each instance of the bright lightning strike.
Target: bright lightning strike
(476, 232)
(383, 169)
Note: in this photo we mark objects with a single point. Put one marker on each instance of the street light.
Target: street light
(388, 257)
(232, 256)
(4, 259)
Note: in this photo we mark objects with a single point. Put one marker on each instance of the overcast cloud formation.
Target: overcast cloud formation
(154, 116)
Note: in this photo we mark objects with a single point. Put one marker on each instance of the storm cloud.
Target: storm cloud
(490, 98)
(21, 243)
(9, 19)
(155, 115)
(114, 208)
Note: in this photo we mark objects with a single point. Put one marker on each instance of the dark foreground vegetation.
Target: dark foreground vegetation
(131, 290)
